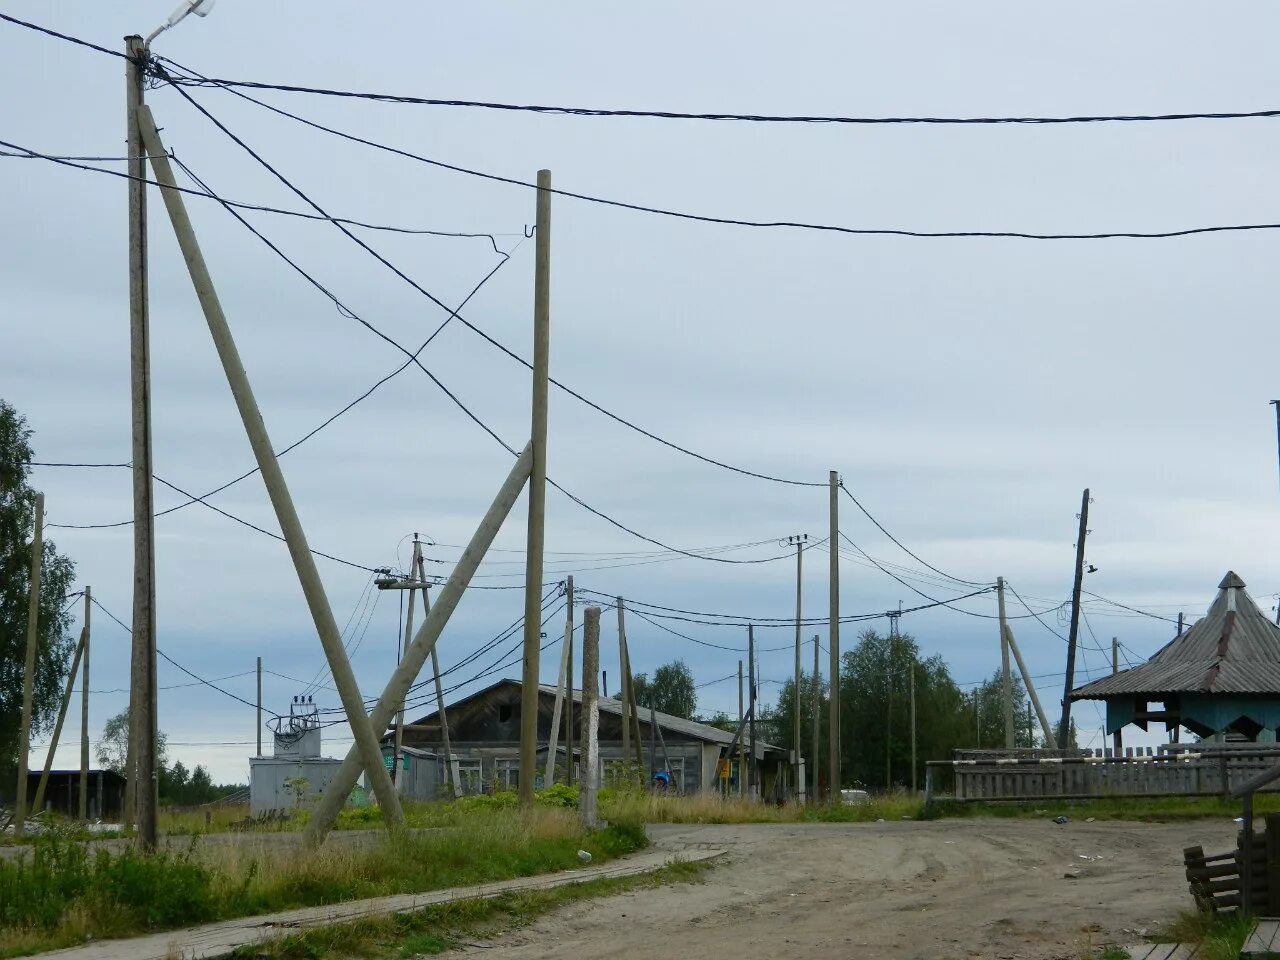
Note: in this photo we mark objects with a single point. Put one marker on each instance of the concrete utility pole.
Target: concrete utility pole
(441, 712)
(1050, 740)
(1006, 678)
(28, 675)
(142, 770)
(742, 750)
(397, 747)
(1064, 728)
(259, 706)
(549, 776)
(817, 724)
(568, 681)
(84, 710)
(537, 490)
(624, 682)
(753, 787)
(588, 775)
(1117, 740)
(634, 705)
(281, 500)
(798, 540)
(335, 795)
(888, 720)
(913, 723)
(833, 638)
(38, 803)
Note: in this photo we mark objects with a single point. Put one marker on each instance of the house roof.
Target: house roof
(1232, 649)
(690, 728)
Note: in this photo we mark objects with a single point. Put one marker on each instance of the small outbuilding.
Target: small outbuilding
(1220, 677)
(62, 793)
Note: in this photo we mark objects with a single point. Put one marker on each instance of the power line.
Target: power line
(901, 545)
(27, 153)
(383, 336)
(195, 676)
(739, 222)
(936, 602)
(719, 116)
(62, 36)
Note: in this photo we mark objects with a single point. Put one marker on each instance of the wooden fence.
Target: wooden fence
(1186, 770)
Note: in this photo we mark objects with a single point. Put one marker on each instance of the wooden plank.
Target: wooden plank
(220, 939)
(1262, 940)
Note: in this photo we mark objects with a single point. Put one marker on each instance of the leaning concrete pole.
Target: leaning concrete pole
(326, 812)
(553, 741)
(28, 676)
(1049, 740)
(589, 771)
(537, 490)
(62, 716)
(286, 514)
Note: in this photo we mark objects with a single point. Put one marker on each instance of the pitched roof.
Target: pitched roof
(691, 728)
(1234, 648)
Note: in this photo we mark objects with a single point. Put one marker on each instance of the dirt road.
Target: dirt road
(939, 890)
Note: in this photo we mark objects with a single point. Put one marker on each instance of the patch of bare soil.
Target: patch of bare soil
(935, 891)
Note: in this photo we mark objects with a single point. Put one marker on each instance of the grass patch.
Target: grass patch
(1221, 937)
(62, 892)
(434, 930)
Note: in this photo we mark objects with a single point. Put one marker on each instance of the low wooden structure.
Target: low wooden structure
(1185, 770)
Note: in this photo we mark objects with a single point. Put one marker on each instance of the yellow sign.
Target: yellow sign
(723, 768)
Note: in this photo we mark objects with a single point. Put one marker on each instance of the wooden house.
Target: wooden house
(484, 734)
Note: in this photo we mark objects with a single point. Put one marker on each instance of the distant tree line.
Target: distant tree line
(179, 787)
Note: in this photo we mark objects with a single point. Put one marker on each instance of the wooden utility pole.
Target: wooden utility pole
(1180, 621)
(817, 725)
(259, 706)
(84, 709)
(798, 540)
(588, 775)
(537, 490)
(366, 740)
(833, 638)
(752, 785)
(142, 687)
(335, 795)
(653, 741)
(38, 803)
(29, 674)
(913, 723)
(1064, 728)
(742, 750)
(1006, 678)
(1117, 739)
(568, 680)
(1050, 740)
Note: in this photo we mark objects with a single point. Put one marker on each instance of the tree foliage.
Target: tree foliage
(113, 746)
(54, 646)
(670, 691)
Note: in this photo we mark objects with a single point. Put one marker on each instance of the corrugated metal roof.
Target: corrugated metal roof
(1234, 648)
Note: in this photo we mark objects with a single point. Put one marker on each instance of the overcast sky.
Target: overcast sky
(966, 389)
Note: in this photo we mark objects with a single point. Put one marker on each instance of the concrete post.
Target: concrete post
(326, 811)
(589, 773)
(833, 638)
(1006, 678)
(28, 676)
(84, 709)
(537, 490)
(287, 516)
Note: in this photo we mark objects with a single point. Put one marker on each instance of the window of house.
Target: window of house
(504, 712)
(469, 778)
(507, 773)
